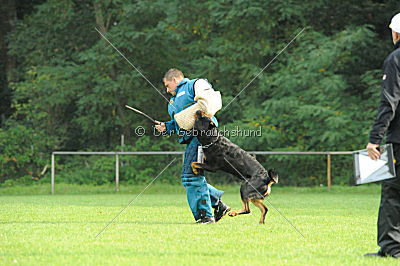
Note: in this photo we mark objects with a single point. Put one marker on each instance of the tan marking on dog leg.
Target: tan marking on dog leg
(247, 206)
(260, 204)
(268, 191)
(245, 210)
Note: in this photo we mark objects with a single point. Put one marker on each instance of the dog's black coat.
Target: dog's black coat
(221, 154)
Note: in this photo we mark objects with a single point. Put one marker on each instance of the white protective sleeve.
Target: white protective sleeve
(185, 119)
(210, 99)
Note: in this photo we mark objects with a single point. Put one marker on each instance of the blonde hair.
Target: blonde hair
(173, 73)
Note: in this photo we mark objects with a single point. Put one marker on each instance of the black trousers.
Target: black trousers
(389, 211)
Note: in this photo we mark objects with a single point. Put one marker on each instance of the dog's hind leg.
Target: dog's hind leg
(260, 204)
(245, 209)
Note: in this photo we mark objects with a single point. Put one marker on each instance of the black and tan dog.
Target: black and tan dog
(221, 154)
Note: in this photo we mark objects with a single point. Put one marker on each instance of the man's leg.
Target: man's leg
(196, 186)
(389, 212)
(215, 195)
(389, 219)
(220, 209)
(198, 196)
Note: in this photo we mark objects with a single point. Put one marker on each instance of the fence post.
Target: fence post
(122, 147)
(328, 172)
(52, 173)
(116, 172)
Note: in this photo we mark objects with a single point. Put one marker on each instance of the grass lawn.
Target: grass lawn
(157, 229)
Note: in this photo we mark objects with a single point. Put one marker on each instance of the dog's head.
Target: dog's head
(272, 179)
(203, 122)
(273, 175)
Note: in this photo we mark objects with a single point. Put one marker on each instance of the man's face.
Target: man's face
(395, 36)
(171, 85)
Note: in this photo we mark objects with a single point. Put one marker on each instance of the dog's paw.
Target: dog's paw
(232, 213)
(195, 169)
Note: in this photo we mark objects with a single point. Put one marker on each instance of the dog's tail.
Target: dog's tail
(273, 175)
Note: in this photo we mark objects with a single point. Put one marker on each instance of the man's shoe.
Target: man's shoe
(377, 254)
(206, 220)
(221, 210)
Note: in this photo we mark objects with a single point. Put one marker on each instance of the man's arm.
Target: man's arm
(390, 97)
(167, 127)
(389, 101)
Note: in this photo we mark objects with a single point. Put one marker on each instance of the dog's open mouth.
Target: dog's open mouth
(203, 124)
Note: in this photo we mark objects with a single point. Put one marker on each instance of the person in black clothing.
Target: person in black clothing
(388, 122)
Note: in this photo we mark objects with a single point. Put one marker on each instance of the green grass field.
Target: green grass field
(338, 226)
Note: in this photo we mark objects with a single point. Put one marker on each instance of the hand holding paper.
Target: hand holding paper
(379, 166)
(373, 151)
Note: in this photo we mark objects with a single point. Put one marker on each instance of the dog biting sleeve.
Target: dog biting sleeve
(185, 118)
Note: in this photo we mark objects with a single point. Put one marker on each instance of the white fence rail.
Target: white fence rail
(328, 155)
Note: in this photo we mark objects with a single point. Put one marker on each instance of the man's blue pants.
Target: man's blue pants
(201, 196)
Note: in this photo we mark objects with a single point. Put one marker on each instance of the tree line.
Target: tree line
(63, 87)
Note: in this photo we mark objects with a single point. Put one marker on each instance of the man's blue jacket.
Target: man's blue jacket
(183, 98)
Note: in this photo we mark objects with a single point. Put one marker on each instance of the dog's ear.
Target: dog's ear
(273, 175)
